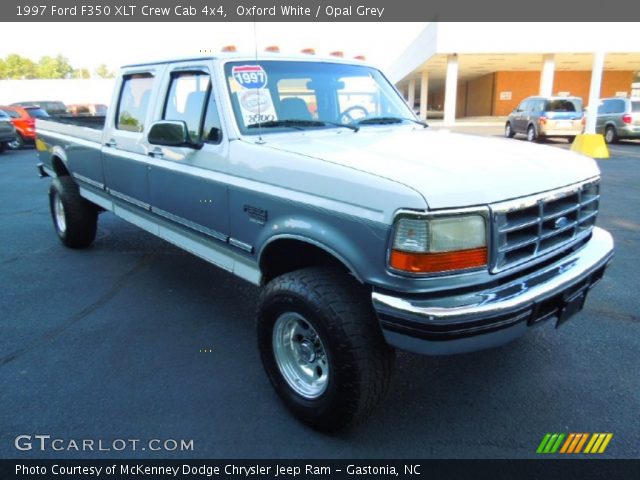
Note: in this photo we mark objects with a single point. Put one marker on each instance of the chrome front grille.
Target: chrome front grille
(528, 228)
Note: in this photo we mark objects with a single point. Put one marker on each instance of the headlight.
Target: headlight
(439, 244)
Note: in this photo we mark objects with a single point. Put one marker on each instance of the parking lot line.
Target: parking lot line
(626, 153)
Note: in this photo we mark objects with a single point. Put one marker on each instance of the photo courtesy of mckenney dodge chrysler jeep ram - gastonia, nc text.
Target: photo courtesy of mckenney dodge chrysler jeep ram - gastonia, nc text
(366, 230)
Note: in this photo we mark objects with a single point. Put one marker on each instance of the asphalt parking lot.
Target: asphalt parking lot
(113, 343)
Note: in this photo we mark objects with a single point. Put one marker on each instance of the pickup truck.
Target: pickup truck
(366, 231)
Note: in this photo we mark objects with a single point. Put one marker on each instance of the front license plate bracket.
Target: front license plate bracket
(571, 306)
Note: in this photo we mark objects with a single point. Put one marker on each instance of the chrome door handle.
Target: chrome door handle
(156, 153)
(110, 143)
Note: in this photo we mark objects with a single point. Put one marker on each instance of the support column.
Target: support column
(451, 90)
(594, 91)
(546, 76)
(411, 97)
(591, 143)
(424, 95)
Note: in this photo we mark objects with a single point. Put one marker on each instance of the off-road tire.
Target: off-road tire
(360, 362)
(80, 215)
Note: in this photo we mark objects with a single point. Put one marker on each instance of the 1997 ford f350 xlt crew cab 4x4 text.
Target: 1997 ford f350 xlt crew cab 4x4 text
(365, 230)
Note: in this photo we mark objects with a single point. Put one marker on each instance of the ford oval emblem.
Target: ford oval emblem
(560, 222)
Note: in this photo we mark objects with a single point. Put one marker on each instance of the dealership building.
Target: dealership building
(485, 69)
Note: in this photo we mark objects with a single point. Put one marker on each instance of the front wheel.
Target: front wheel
(322, 348)
(16, 144)
(74, 218)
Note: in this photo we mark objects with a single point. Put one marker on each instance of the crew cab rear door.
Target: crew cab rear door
(185, 183)
(124, 151)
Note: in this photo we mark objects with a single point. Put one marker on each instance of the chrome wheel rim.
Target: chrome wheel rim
(58, 212)
(507, 130)
(530, 134)
(300, 355)
(14, 145)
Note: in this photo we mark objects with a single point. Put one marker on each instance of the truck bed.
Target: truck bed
(89, 121)
(81, 128)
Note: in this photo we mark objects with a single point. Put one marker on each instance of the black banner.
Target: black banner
(314, 11)
(313, 469)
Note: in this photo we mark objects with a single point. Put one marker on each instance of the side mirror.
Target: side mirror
(171, 133)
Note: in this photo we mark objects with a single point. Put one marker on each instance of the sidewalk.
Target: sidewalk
(470, 122)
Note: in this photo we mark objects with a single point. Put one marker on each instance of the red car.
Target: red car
(24, 119)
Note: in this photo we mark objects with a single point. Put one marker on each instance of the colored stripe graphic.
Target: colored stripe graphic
(550, 443)
(581, 443)
(544, 441)
(573, 443)
(565, 447)
(598, 443)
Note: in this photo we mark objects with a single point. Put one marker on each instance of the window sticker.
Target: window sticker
(250, 76)
(257, 106)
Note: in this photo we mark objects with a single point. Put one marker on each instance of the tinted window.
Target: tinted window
(538, 106)
(617, 106)
(603, 107)
(562, 105)
(186, 100)
(54, 106)
(36, 113)
(11, 113)
(635, 106)
(3, 115)
(134, 102)
(526, 105)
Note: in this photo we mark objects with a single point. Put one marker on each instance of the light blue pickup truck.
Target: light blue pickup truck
(366, 231)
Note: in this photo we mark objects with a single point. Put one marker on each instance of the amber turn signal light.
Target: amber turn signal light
(438, 262)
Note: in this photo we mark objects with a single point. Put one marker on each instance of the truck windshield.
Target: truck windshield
(284, 95)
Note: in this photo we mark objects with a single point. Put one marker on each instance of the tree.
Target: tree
(81, 73)
(50, 67)
(18, 67)
(103, 71)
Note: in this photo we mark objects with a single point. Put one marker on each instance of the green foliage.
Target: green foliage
(103, 72)
(15, 66)
(54, 67)
(81, 73)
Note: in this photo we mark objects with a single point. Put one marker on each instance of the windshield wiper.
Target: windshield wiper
(389, 120)
(300, 124)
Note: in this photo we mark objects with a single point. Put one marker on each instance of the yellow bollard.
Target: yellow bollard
(591, 145)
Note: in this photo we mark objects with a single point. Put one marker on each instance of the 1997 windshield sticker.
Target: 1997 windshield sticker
(250, 76)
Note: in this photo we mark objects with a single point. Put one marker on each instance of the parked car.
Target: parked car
(24, 120)
(618, 118)
(8, 132)
(365, 230)
(87, 109)
(52, 107)
(543, 117)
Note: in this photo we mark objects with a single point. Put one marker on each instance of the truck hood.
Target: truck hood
(448, 169)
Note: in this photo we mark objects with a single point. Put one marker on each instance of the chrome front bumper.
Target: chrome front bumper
(467, 321)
